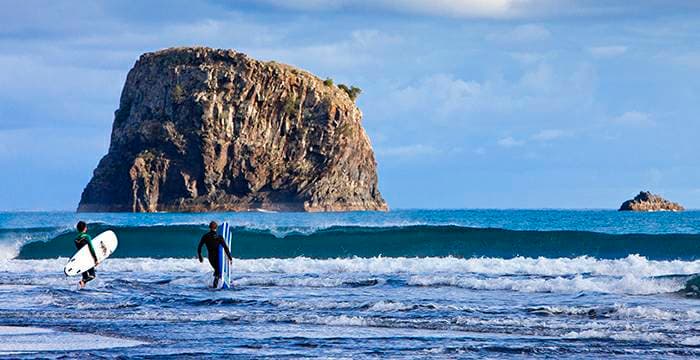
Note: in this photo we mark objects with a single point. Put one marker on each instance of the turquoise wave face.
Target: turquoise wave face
(180, 241)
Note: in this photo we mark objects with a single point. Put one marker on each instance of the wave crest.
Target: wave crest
(519, 274)
(161, 241)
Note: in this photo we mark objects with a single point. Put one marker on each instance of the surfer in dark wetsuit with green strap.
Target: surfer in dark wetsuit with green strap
(213, 240)
(81, 240)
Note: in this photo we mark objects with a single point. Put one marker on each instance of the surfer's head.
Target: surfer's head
(82, 226)
(213, 226)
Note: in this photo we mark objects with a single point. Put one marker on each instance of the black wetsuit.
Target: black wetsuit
(80, 241)
(212, 240)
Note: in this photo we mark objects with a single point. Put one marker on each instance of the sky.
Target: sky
(468, 103)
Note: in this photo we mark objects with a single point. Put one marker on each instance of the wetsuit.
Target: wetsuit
(82, 240)
(212, 240)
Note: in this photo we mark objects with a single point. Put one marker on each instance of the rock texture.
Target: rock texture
(200, 129)
(647, 201)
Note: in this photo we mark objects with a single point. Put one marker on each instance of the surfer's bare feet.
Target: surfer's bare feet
(81, 283)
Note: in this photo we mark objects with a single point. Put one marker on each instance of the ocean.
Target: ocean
(400, 284)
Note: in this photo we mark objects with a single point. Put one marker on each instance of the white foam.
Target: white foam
(631, 275)
(516, 322)
(651, 313)
(691, 341)
(282, 231)
(9, 249)
(294, 281)
(381, 306)
(632, 264)
(390, 306)
(622, 312)
(21, 330)
(629, 284)
(333, 320)
(623, 335)
(15, 339)
(140, 265)
(585, 334)
(11, 243)
(314, 304)
(458, 323)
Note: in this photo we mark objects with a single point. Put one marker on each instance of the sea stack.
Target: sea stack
(646, 201)
(202, 129)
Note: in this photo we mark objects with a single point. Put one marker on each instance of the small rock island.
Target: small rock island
(201, 129)
(646, 201)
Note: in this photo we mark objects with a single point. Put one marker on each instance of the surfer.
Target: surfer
(80, 241)
(212, 240)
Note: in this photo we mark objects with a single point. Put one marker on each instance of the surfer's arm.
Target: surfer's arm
(199, 249)
(226, 249)
(92, 249)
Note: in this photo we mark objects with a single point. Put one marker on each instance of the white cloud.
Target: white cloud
(634, 118)
(490, 9)
(313, 5)
(541, 136)
(549, 134)
(690, 59)
(365, 47)
(457, 8)
(527, 58)
(607, 51)
(509, 142)
(444, 92)
(408, 151)
(71, 95)
(371, 38)
(454, 101)
(449, 8)
(522, 33)
(540, 79)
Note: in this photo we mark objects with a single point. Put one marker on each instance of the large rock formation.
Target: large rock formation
(647, 201)
(200, 129)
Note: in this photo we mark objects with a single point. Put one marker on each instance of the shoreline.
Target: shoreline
(16, 340)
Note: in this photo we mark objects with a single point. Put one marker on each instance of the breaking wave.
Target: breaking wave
(631, 275)
(179, 241)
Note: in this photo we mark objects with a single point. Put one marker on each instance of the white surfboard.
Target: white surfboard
(224, 265)
(104, 245)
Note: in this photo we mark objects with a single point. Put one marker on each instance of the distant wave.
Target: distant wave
(180, 241)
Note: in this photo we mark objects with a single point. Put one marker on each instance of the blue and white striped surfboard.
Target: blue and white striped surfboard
(225, 270)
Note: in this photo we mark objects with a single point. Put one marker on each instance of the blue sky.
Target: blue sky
(468, 104)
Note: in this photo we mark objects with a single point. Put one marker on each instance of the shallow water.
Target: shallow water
(345, 306)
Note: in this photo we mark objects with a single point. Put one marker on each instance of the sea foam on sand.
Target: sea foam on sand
(20, 339)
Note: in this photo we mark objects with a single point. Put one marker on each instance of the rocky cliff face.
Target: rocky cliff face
(199, 129)
(647, 201)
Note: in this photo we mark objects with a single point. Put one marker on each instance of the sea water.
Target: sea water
(401, 284)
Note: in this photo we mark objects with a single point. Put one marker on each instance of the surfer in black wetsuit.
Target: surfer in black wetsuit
(81, 240)
(212, 240)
